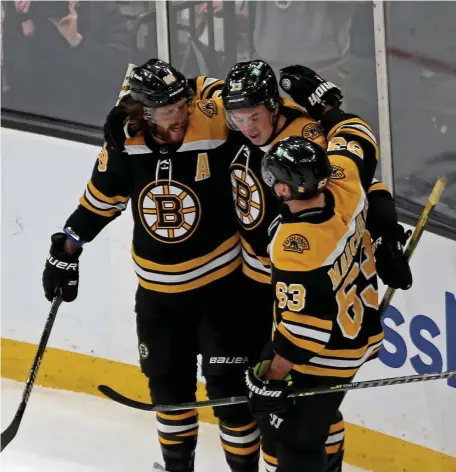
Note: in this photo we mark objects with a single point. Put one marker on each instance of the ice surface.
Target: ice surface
(67, 432)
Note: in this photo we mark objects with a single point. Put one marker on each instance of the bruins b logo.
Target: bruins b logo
(247, 195)
(208, 107)
(169, 210)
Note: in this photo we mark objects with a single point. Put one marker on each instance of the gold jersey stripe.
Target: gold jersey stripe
(253, 274)
(264, 260)
(311, 346)
(103, 198)
(352, 353)
(106, 213)
(308, 320)
(324, 372)
(353, 131)
(355, 121)
(196, 283)
(187, 265)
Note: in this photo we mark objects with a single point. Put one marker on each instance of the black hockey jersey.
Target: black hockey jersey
(185, 230)
(255, 205)
(323, 272)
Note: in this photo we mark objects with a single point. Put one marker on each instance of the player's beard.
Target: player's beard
(172, 134)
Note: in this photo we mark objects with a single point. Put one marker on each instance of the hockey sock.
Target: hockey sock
(335, 445)
(241, 444)
(270, 462)
(178, 435)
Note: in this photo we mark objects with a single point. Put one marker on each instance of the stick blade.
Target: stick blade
(9, 434)
(119, 398)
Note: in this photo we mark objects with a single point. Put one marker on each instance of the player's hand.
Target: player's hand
(22, 6)
(310, 90)
(390, 262)
(266, 397)
(61, 272)
(113, 129)
(68, 26)
(116, 129)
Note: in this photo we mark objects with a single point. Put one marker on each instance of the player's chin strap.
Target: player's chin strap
(433, 200)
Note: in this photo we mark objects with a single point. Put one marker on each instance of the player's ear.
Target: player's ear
(276, 109)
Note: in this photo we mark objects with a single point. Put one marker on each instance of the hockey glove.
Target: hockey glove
(115, 125)
(113, 129)
(267, 399)
(61, 270)
(310, 90)
(390, 261)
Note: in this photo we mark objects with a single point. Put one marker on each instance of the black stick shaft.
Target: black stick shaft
(113, 395)
(10, 432)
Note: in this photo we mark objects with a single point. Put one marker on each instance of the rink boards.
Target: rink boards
(399, 428)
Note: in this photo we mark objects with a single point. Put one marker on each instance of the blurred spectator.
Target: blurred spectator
(336, 39)
(63, 59)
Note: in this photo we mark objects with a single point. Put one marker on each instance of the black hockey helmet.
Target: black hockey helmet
(156, 84)
(249, 84)
(298, 162)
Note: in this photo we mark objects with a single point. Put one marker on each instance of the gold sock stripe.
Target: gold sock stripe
(239, 451)
(270, 460)
(178, 416)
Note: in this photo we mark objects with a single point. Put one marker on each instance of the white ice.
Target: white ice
(68, 432)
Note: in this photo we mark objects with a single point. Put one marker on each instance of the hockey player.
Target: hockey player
(186, 254)
(313, 93)
(326, 322)
(247, 96)
(259, 117)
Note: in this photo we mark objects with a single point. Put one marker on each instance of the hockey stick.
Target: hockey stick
(117, 397)
(433, 200)
(10, 432)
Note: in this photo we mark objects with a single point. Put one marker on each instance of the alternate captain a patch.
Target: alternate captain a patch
(296, 243)
(208, 107)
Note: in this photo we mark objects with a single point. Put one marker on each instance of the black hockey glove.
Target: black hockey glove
(267, 399)
(114, 127)
(310, 90)
(390, 262)
(61, 270)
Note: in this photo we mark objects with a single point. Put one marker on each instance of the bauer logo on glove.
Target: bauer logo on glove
(310, 90)
(316, 97)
